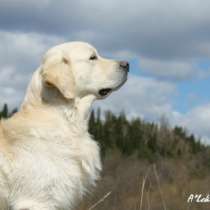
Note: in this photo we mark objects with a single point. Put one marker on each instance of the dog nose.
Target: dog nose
(124, 65)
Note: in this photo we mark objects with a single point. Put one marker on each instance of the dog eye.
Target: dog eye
(93, 57)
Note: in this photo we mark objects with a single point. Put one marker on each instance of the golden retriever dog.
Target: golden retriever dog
(48, 160)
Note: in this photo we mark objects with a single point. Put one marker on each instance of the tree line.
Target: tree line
(145, 139)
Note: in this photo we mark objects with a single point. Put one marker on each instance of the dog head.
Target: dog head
(76, 69)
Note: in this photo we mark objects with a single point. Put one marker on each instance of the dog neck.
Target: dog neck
(76, 110)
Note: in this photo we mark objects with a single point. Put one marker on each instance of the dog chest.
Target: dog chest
(56, 172)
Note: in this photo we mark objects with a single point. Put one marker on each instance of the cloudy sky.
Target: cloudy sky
(167, 43)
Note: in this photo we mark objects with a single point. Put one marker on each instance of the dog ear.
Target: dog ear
(56, 71)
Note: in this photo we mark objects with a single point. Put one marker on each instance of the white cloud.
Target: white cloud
(20, 55)
(23, 48)
(169, 69)
(196, 121)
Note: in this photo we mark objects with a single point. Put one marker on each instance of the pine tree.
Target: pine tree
(4, 112)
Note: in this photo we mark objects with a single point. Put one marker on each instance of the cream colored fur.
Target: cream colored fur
(48, 160)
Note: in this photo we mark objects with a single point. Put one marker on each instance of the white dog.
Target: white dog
(48, 160)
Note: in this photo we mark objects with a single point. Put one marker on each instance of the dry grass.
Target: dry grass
(134, 184)
(100, 201)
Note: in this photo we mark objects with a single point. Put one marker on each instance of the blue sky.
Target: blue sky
(166, 42)
(190, 93)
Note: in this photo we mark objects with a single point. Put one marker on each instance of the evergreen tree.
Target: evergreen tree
(4, 112)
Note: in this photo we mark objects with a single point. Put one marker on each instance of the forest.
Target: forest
(146, 165)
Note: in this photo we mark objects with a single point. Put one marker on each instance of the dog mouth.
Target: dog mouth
(104, 92)
(107, 91)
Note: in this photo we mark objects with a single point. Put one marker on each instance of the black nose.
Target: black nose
(124, 65)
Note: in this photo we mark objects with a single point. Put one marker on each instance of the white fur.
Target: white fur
(48, 160)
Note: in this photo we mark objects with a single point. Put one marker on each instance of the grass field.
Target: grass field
(133, 184)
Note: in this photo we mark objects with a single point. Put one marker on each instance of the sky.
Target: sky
(167, 43)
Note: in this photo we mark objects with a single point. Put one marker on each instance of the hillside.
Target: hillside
(148, 166)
